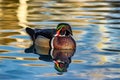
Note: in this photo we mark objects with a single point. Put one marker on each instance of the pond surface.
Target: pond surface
(96, 30)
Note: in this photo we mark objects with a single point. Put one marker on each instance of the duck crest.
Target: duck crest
(60, 27)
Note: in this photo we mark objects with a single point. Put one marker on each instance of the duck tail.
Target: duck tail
(31, 33)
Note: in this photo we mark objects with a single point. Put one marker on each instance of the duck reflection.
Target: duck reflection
(61, 58)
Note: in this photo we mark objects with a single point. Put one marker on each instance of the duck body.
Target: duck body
(52, 38)
(63, 42)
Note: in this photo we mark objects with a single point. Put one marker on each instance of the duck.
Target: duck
(60, 37)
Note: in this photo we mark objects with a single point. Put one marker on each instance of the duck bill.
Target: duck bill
(58, 33)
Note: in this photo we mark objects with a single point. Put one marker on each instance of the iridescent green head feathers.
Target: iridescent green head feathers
(60, 67)
(64, 29)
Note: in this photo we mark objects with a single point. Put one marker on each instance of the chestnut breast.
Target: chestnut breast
(63, 42)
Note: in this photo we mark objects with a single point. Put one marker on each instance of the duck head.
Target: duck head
(60, 66)
(63, 29)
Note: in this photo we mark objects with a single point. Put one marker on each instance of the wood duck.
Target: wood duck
(59, 38)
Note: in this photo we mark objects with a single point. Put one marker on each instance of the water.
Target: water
(96, 29)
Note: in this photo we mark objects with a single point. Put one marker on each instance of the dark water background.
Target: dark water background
(96, 29)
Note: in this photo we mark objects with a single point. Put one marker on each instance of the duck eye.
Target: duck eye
(63, 29)
(61, 65)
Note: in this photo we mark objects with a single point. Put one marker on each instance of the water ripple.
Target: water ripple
(96, 29)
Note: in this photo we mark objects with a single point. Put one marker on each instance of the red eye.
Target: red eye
(61, 65)
(63, 29)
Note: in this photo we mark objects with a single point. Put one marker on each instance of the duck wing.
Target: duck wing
(34, 33)
(48, 33)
